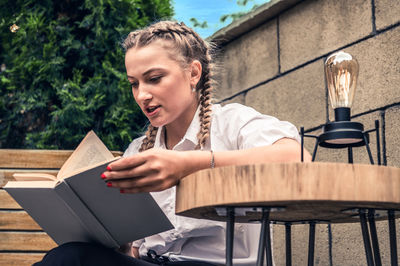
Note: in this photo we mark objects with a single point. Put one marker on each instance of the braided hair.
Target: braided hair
(190, 46)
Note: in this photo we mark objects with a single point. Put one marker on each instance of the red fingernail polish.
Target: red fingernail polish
(122, 191)
(103, 176)
(108, 168)
(109, 184)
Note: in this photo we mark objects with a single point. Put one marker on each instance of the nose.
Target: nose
(142, 94)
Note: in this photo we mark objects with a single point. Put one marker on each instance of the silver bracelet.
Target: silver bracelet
(212, 163)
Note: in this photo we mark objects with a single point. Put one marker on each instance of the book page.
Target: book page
(30, 184)
(86, 168)
(90, 151)
(34, 177)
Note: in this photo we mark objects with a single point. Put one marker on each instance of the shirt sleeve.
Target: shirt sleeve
(244, 128)
(263, 130)
(137, 243)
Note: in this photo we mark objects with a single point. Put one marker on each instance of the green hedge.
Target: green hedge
(63, 74)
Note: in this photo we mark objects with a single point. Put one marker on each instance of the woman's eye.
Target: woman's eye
(155, 79)
(134, 84)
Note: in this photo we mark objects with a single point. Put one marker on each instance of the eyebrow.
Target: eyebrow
(148, 72)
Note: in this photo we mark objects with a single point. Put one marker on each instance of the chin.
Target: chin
(157, 123)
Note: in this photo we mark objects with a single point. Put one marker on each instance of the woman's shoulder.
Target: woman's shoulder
(237, 116)
(234, 112)
(230, 118)
(234, 109)
(134, 146)
(250, 128)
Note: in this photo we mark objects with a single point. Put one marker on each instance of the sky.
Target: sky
(210, 11)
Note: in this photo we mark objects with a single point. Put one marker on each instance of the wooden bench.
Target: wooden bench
(22, 241)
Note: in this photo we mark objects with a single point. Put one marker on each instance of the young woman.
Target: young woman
(169, 68)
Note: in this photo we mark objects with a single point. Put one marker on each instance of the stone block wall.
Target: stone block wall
(273, 60)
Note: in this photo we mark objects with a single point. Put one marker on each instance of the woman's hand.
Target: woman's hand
(135, 252)
(159, 169)
(151, 170)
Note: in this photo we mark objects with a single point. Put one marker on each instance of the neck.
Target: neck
(174, 132)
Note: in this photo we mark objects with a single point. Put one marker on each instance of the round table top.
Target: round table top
(296, 192)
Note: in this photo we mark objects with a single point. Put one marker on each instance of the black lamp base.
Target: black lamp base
(342, 134)
(342, 114)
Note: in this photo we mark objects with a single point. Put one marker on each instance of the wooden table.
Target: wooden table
(291, 193)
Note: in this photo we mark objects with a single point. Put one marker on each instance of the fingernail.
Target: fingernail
(108, 168)
(103, 176)
(109, 184)
(122, 191)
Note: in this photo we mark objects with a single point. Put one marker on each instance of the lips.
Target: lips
(152, 110)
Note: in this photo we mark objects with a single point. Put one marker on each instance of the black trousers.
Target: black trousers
(87, 254)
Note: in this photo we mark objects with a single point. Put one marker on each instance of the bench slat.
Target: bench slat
(11, 220)
(7, 202)
(52, 159)
(13, 223)
(20, 259)
(29, 241)
(7, 174)
(15, 158)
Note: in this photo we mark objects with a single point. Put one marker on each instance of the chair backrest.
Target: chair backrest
(22, 241)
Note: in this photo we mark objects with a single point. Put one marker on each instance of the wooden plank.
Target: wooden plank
(7, 174)
(17, 220)
(117, 153)
(7, 202)
(52, 159)
(15, 158)
(306, 191)
(20, 259)
(29, 241)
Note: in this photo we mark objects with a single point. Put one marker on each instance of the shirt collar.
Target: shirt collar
(190, 135)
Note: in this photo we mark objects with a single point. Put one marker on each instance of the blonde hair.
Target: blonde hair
(190, 46)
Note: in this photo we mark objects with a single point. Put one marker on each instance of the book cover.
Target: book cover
(78, 206)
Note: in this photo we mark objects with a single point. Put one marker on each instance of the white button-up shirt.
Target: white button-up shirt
(233, 127)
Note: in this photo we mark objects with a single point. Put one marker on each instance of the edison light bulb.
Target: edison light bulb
(341, 70)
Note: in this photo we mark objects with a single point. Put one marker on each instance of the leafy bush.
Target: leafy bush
(63, 74)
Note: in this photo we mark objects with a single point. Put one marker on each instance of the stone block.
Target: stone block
(248, 60)
(348, 245)
(298, 97)
(360, 154)
(379, 80)
(300, 236)
(392, 132)
(237, 99)
(314, 28)
(387, 12)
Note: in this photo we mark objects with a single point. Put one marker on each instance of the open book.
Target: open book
(78, 206)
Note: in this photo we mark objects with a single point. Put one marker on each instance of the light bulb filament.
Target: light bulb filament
(341, 71)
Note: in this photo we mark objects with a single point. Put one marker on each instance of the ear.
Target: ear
(195, 72)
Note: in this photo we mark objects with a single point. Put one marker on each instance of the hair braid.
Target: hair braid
(148, 141)
(189, 46)
(205, 106)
